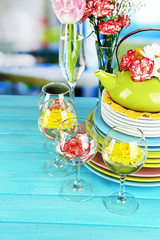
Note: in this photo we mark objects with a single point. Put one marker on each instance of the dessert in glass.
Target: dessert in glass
(124, 151)
(77, 143)
(52, 113)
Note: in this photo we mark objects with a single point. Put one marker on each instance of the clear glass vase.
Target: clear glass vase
(106, 57)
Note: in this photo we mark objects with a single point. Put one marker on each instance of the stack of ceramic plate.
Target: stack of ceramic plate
(149, 175)
(149, 126)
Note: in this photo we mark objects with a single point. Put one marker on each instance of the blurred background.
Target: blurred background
(29, 41)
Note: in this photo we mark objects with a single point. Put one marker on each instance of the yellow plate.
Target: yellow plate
(150, 162)
(153, 160)
(90, 118)
(153, 154)
(129, 178)
(152, 165)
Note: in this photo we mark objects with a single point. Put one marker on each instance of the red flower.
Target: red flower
(141, 69)
(127, 59)
(76, 147)
(98, 8)
(109, 27)
(102, 8)
(58, 104)
(88, 10)
(125, 21)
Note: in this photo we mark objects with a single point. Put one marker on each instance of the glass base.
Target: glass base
(58, 168)
(50, 146)
(114, 205)
(82, 194)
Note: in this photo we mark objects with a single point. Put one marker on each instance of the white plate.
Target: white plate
(153, 143)
(146, 121)
(111, 120)
(118, 116)
(146, 134)
(122, 115)
(148, 131)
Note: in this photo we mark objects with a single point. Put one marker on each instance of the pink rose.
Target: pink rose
(141, 69)
(127, 59)
(102, 8)
(109, 27)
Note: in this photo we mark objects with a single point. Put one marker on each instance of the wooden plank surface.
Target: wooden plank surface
(30, 203)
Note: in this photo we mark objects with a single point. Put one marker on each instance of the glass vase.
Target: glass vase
(106, 57)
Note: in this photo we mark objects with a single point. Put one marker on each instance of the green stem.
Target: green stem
(97, 33)
(70, 30)
(73, 51)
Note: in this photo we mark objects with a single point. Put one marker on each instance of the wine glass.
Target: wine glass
(124, 151)
(52, 113)
(54, 90)
(72, 53)
(50, 91)
(77, 143)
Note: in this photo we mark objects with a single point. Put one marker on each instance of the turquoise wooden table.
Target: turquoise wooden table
(30, 203)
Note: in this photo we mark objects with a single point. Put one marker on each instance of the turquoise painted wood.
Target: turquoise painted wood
(31, 207)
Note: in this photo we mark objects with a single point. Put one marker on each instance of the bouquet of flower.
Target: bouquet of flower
(109, 17)
(143, 63)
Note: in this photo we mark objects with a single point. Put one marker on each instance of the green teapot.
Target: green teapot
(139, 96)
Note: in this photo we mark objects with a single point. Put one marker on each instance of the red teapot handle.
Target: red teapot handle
(132, 33)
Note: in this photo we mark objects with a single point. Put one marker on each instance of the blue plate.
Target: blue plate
(130, 183)
(103, 128)
(150, 148)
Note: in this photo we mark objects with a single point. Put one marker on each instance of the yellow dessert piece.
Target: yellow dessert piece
(53, 119)
(127, 154)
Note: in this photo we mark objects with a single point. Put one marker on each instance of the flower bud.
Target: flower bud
(69, 11)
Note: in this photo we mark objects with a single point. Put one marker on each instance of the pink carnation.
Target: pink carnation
(76, 147)
(141, 69)
(102, 8)
(109, 27)
(127, 59)
(125, 21)
(88, 10)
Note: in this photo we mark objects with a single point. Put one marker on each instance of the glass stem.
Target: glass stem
(58, 162)
(77, 186)
(121, 196)
(50, 148)
(72, 85)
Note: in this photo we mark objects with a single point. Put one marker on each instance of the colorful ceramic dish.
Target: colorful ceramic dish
(116, 180)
